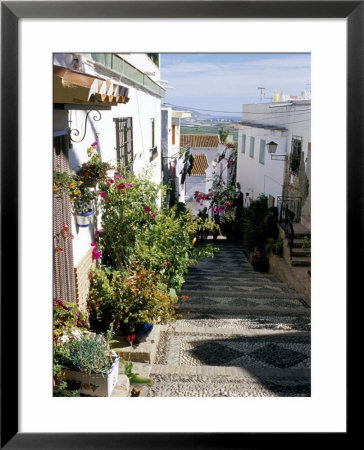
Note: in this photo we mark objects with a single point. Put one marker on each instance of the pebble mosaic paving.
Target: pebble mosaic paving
(243, 334)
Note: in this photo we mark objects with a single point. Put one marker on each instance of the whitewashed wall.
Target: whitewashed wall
(142, 107)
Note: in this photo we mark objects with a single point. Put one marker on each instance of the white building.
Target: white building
(206, 150)
(114, 99)
(172, 159)
(285, 173)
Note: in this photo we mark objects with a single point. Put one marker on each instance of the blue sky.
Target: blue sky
(225, 81)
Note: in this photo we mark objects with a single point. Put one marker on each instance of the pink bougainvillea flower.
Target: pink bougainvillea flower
(96, 255)
(153, 215)
(94, 144)
(65, 227)
(196, 193)
(146, 209)
(110, 180)
(102, 194)
(227, 203)
(219, 210)
(99, 231)
(93, 244)
(129, 185)
(121, 186)
(117, 175)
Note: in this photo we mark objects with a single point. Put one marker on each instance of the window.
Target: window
(124, 140)
(243, 143)
(296, 151)
(252, 143)
(153, 147)
(173, 134)
(262, 151)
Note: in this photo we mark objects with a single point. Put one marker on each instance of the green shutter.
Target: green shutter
(243, 143)
(252, 143)
(262, 151)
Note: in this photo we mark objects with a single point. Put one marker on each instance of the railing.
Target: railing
(289, 211)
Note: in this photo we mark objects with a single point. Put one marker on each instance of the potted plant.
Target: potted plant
(82, 205)
(134, 299)
(87, 357)
(94, 170)
(259, 225)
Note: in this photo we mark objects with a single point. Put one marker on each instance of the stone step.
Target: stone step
(214, 371)
(300, 252)
(297, 242)
(301, 261)
(243, 294)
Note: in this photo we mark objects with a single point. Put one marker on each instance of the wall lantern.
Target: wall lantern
(272, 148)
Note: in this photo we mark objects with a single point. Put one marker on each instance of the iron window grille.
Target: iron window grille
(296, 152)
(124, 141)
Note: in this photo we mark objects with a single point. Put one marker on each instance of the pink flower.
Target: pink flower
(129, 185)
(93, 244)
(94, 144)
(146, 209)
(117, 175)
(153, 215)
(96, 254)
(121, 186)
(65, 227)
(196, 193)
(99, 231)
(110, 180)
(102, 194)
(71, 236)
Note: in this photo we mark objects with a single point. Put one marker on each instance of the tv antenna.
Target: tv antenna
(261, 93)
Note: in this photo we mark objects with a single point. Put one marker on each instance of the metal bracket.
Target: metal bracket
(77, 133)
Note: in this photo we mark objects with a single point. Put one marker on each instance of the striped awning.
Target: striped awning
(79, 88)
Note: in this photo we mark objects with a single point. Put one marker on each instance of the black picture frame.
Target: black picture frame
(11, 12)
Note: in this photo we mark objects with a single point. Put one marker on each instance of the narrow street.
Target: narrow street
(243, 334)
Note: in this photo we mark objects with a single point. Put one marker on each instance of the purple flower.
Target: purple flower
(121, 186)
(146, 209)
(102, 194)
(94, 144)
(153, 215)
(110, 180)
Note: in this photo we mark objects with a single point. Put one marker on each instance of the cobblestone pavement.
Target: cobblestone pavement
(243, 334)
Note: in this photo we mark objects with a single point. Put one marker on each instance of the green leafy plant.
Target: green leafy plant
(88, 353)
(306, 245)
(73, 186)
(131, 297)
(259, 225)
(274, 246)
(66, 318)
(137, 232)
(94, 170)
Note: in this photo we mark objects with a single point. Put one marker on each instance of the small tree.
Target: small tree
(223, 134)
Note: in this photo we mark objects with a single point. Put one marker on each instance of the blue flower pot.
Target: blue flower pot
(142, 331)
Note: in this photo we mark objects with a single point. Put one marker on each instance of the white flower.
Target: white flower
(64, 338)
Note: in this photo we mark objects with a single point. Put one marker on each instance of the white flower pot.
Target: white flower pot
(84, 219)
(97, 385)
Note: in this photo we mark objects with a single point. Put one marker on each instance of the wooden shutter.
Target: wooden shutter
(63, 271)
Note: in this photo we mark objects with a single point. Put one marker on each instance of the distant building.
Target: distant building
(206, 150)
(172, 157)
(285, 175)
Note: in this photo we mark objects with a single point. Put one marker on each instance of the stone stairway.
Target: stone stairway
(243, 334)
